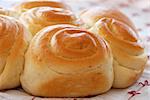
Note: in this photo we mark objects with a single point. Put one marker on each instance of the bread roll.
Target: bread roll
(13, 44)
(129, 56)
(65, 61)
(91, 16)
(24, 6)
(37, 18)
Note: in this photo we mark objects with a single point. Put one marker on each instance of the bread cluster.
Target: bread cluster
(46, 51)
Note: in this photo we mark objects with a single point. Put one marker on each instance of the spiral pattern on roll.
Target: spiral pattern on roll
(67, 59)
(91, 16)
(37, 18)
(129, 55)
(69, 44)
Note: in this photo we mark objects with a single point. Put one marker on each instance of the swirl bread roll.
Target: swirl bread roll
(65, 61)
(91, 16)
(13, 44)
(24, 6)
(129, 56)
(37, 18)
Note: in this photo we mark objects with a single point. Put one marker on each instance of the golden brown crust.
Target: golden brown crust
(129, 55)
(91, 16)
(40, 17)
(66, 58)
(13, 44)
(24, 6)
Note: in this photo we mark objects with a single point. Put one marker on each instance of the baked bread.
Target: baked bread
(129, 56)
(90, 16)
(66, 61)
(37, 18)
(24, 6)
(13, 44)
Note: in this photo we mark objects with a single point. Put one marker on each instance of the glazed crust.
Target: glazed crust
(13, 44)
(129, 56)
(37, 18)
(90, 16)
(66, 61)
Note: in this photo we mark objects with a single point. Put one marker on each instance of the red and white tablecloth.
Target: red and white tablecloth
(139, 12)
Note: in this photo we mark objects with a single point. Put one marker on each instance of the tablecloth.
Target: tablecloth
(139, 12)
